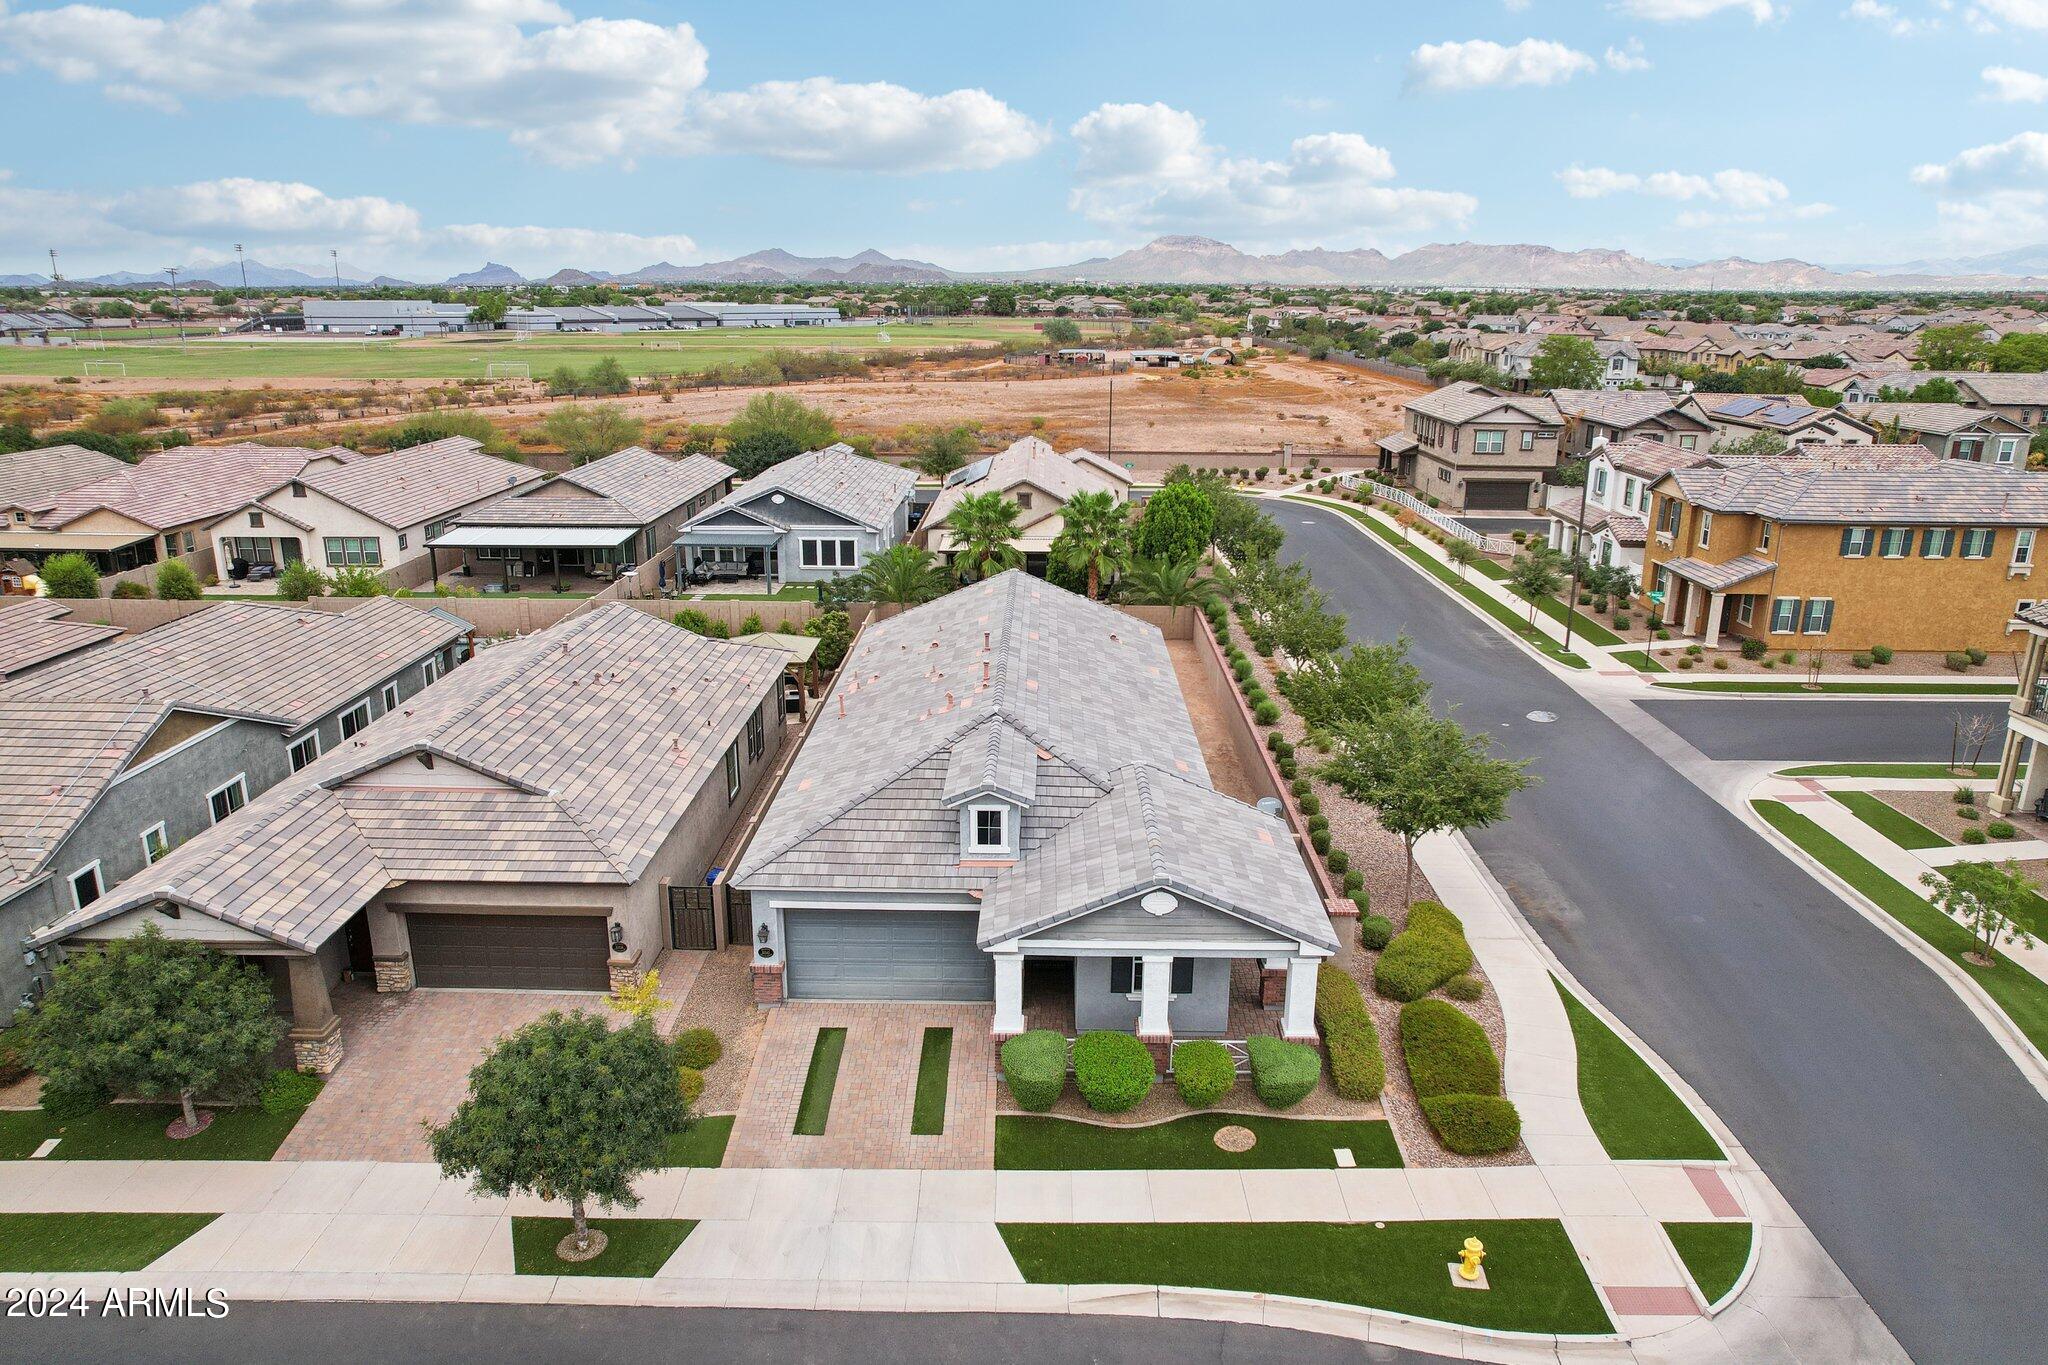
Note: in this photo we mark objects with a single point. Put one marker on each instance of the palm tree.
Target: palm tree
(984, 527)
(1168, 583)
(1095, 537)
(902, 574)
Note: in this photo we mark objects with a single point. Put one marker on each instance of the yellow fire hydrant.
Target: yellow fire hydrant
(1468, 1259)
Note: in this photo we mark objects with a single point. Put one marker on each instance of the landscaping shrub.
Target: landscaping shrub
(698, 1048)
(1035, 1069)
(1971, 836)
(1320, 839)
(1954, 662)
(1311, 805)
(1999, 829)
(1464, 988)
(1976, 655)
(1720, 663)
(1474, 1125)
(1301, 789)
(1339, 862)
(1203, 1072)
(1375, 932)
(1963, 796)
(1354, 880)
(1788, 657)
(1266, 713)
(1967, 812)
(1429, 952)
(1753, 650)
(1243, 669)
(13, 1066)
(1694, 650)
(1282, 1072)
(1113, 1071)
(1881, 653)
(1862, 660)
(1357, 1069)
(1446, 1051)
(1287, 766)
(64, 1102)
(689, 1085)
(129, 590)
(1685, 661)
(1362, 901)
(1318, 821)
(1621, 620)
(287, 1092)
(1275, 740)
(1656, 621)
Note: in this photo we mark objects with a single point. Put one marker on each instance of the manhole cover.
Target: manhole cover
(1543, 717)
(1235, 1137)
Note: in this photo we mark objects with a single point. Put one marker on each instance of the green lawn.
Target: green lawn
(1583, 624)
(1641, 660)
(1034, 1143)
(65, 1242)
(1894, 824)
(1939, 770)
(122, 1132)
(1634, 1113)
(1537, 1282)
(2022, 995)
(928, 1112)
(814, 1110)
(634, 1247)
(2003, 689)
(703, 1145)
(1715, 1253)
(1448, 576)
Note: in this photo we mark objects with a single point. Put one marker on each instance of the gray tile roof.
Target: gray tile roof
(186, 484)
(33, 479)
(866, 492)
(1465, 401)
(630, 487)
(597, 733)
(421, 483)
(1651, 459)
(2006, 389)
(992, 759)
(1719, 577)
(1030, 461)
(1937, 492)
(1937, 419)
(33, 631)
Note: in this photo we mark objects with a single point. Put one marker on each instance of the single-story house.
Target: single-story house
(1736, 416)
(814, 516)
(1009, 777)
(518, 826)
(31, 481)
(34, 632)
(1038, 479)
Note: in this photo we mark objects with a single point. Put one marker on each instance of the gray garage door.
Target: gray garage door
(517, 952)
(1493, 495)
(886, 955)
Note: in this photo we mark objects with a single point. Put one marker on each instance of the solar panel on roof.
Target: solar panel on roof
(1744, 407)
(1786, 413)
(973, 473)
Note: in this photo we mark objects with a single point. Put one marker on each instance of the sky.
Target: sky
(422, 137)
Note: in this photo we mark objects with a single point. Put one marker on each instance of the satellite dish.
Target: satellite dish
(1159, 903)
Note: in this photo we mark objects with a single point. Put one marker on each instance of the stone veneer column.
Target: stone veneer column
(624, 970)
(316, 1032)
(394, 972)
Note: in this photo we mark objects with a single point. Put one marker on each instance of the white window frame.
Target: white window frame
(2008, 449)
(291, 754)
(1599, 481)
(1498, 445)
(151, 856)
(430, 672)
(1827, 604)
(1706, 528)
(99, 884)
(1137, 990)
(1745, 609)
(387, 696)
(975, 845)
(239, 780)
(1904, 539)
(732, 772)
(1990, 541)
(2023, 547)
(360, 708)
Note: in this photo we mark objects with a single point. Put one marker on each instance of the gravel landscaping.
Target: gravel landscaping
(1937, 810)
(722, 1000)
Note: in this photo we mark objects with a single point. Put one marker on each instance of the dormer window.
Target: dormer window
(988, 829)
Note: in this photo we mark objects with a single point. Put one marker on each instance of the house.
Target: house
(1736, 416)
(35, 631)
(1038, 479)
(597, 519)
(387, 317)
(1842, 548)
(32, 480)
(2021, 398)
(376, 512)
(1607, 517)
(514, 828)
(1011, 780)
(114, 757)
(814, 516)
(1954, 432)
(1593, 416)
(1477, 448)
(2026, 724)
(1619, 359)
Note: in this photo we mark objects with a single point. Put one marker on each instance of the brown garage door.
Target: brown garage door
(1496, 495)
(518, 952)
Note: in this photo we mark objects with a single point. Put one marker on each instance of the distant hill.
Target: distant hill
(2021, 260)
(492, 273)
(776, 266)
(569, 279)
(23, 281)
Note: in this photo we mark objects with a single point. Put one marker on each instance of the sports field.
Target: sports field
(473, 357)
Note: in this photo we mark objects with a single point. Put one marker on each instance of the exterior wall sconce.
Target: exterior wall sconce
(764, 951)
(618, 937)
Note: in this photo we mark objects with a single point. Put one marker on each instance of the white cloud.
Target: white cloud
(2023, 156)
(1673, 11)
(1887, 17)
(1148, 167)
(1991, 196)
(2010, 85)
(566, 89)
(1479, 63)
(1991, 14)
(1629, 58)
(1737, 189)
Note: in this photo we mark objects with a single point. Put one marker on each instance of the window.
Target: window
(1763, 534)
(298, 489)
(1820, 615)
(1937, 542)
(1856, 541)
(1784, 615)
(1967, 448)
(256, 520)
(991, 829)
(227, 798)
(2008, 449)
(435, 528)
(352, 551)
(401, 540)
(170, 541)
(757, 733)
(826, 554)
(1689, 442)
(1024, 499)
(1977, 542)
(1745, 609)
(1528, 439)
(188, 542)
(305, 751)
(355, 720)
(1127, 976)
(1706, 527)
(1895, 542)
(2022, 547)
(1489, 442)
(85, 885)
(389, 696)
(1631, 489)
(732, 771)
(155, 844)
(430, 672)
(1600, 481)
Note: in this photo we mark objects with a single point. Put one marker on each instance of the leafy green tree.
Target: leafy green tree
(833, 630)
(609, 376)
(1961, 347)
(1242, 531)
(105, 442)
(1462, 553)
(491, 307)
(1178, 523)
(1359, 685)
(942, 452)
(157, 1018)
(300, 582)
(1002, 301)
(359, 581)
(1992, 902)
(808, 427)
(1565, 362)
(591, 431)
(760, 450)
(984, 527)
(563, 381)
(1535, 573)
(1756, 443)
(902, 574)
(566, 1108)
(1094, 538)
(1063, 332)
(1423, 774)
(175, 582)
(16, 436)
(69, 575)
(2020, 353)
(439, 426)
(1167, 583)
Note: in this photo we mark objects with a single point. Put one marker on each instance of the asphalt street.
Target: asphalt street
(1827, 730)
(1909, 1143)
(511, 1333)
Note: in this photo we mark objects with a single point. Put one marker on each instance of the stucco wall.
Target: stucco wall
(1205, 1011)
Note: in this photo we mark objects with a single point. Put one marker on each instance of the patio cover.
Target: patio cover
(710, 537)
(1720, 577)
(536, 537)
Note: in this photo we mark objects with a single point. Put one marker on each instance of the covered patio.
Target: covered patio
(583, 558)
(1693, 594)
(744, 553)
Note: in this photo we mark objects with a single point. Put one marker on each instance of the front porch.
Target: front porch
(1692, 595)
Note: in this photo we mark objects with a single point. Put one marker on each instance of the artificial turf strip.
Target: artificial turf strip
(928, 1112)
(63, 1242)
(1636, 1115)
(1893, 823)
(1581, 623)
(1444, 574)
(2003, 689)
(702, 1145)
(2022, 995)
(128, 1132)
(1030, 1143)
(1938, 770)
(1537, 1283)
(635, 1248)
(815, 1108)
(1715, 1253)
(1641, 660)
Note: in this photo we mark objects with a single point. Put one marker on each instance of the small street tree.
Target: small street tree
(1535, 574)
(1423, 774)
(69, 575)
(567, 1109)
(1988, 899)
(1094, 538)
(1462, 553)
(157, 1018)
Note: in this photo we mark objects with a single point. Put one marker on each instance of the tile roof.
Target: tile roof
(836, 478)
(2006, 389)
(186, 484)
(1651, 459)
(630, 487)
(420, 483)
(1719, 577)
(34, 631)
(1618, 407)
(2036, 615)
(1031, 461)
(1935, 492)
(33, 479)
(1465, 401)
(1937, 419)
(596, 732)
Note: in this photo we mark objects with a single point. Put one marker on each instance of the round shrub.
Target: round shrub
(1720, 663)
(1300, 787)
(1955, 662)
(690, 1085)
(1362, 901)
(1464, 988)
(1754, 649)
(1694, 650)
(1320, 838)
(1318, 821)
(1881, 653)
(1311, 804)
(1975, 655)
(1863, 660)
(1203, 1072)
(1685, 661)
(1339, 861)
(1113, 1071)
(1788, 657)
(1446, 1051)
(1354, 880)
(1971, 836)
(1282, 1072)
(1963, 796)
(1035, 1069)
(1375, 932)
(287, 1092)
(129, 589)
(1287, 766)
(1266, 713)
(1999, 829)
(698, 1048)
(1474, 1125)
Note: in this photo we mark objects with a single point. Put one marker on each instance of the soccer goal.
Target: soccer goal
(508, 369)
(105, 368)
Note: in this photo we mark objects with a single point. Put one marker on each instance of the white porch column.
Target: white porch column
(1713, 631)
(1298, 1016)
(1009, 1021)
(1154, 989)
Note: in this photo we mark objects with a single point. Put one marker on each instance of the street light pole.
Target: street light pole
(177, 311)
(336, 255)
(244, 263)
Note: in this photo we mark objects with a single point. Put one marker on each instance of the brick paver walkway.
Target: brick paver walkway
(870, 1123)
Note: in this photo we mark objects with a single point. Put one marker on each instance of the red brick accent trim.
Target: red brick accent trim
(1272, 987)
(768, 984)
(1160, 1045)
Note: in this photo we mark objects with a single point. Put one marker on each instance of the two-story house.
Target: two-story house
(1475, 448)
(1594, 416)
(2021, 398)
(1954, 432)
(1607, 517)
(1736, 416)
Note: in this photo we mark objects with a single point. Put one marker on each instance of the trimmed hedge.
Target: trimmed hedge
(1113, 1071)
(1474, 1125)
(1203, 1072)
(1282, 1072)
(1446, 1051)
(1375, 931)
(1357, 1069)
(698, 1048)
(1429, 952)
(1464, 988)
(1035, 1068)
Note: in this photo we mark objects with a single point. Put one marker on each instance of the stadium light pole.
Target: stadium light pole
(176, 311)
(55, 277)
(336, 255)
(243, 261)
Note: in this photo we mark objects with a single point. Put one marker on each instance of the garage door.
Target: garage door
(1494, 495)
(513, 952)
(886, 955)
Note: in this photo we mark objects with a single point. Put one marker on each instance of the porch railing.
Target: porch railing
(1240, 1055)
(1400, 497)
